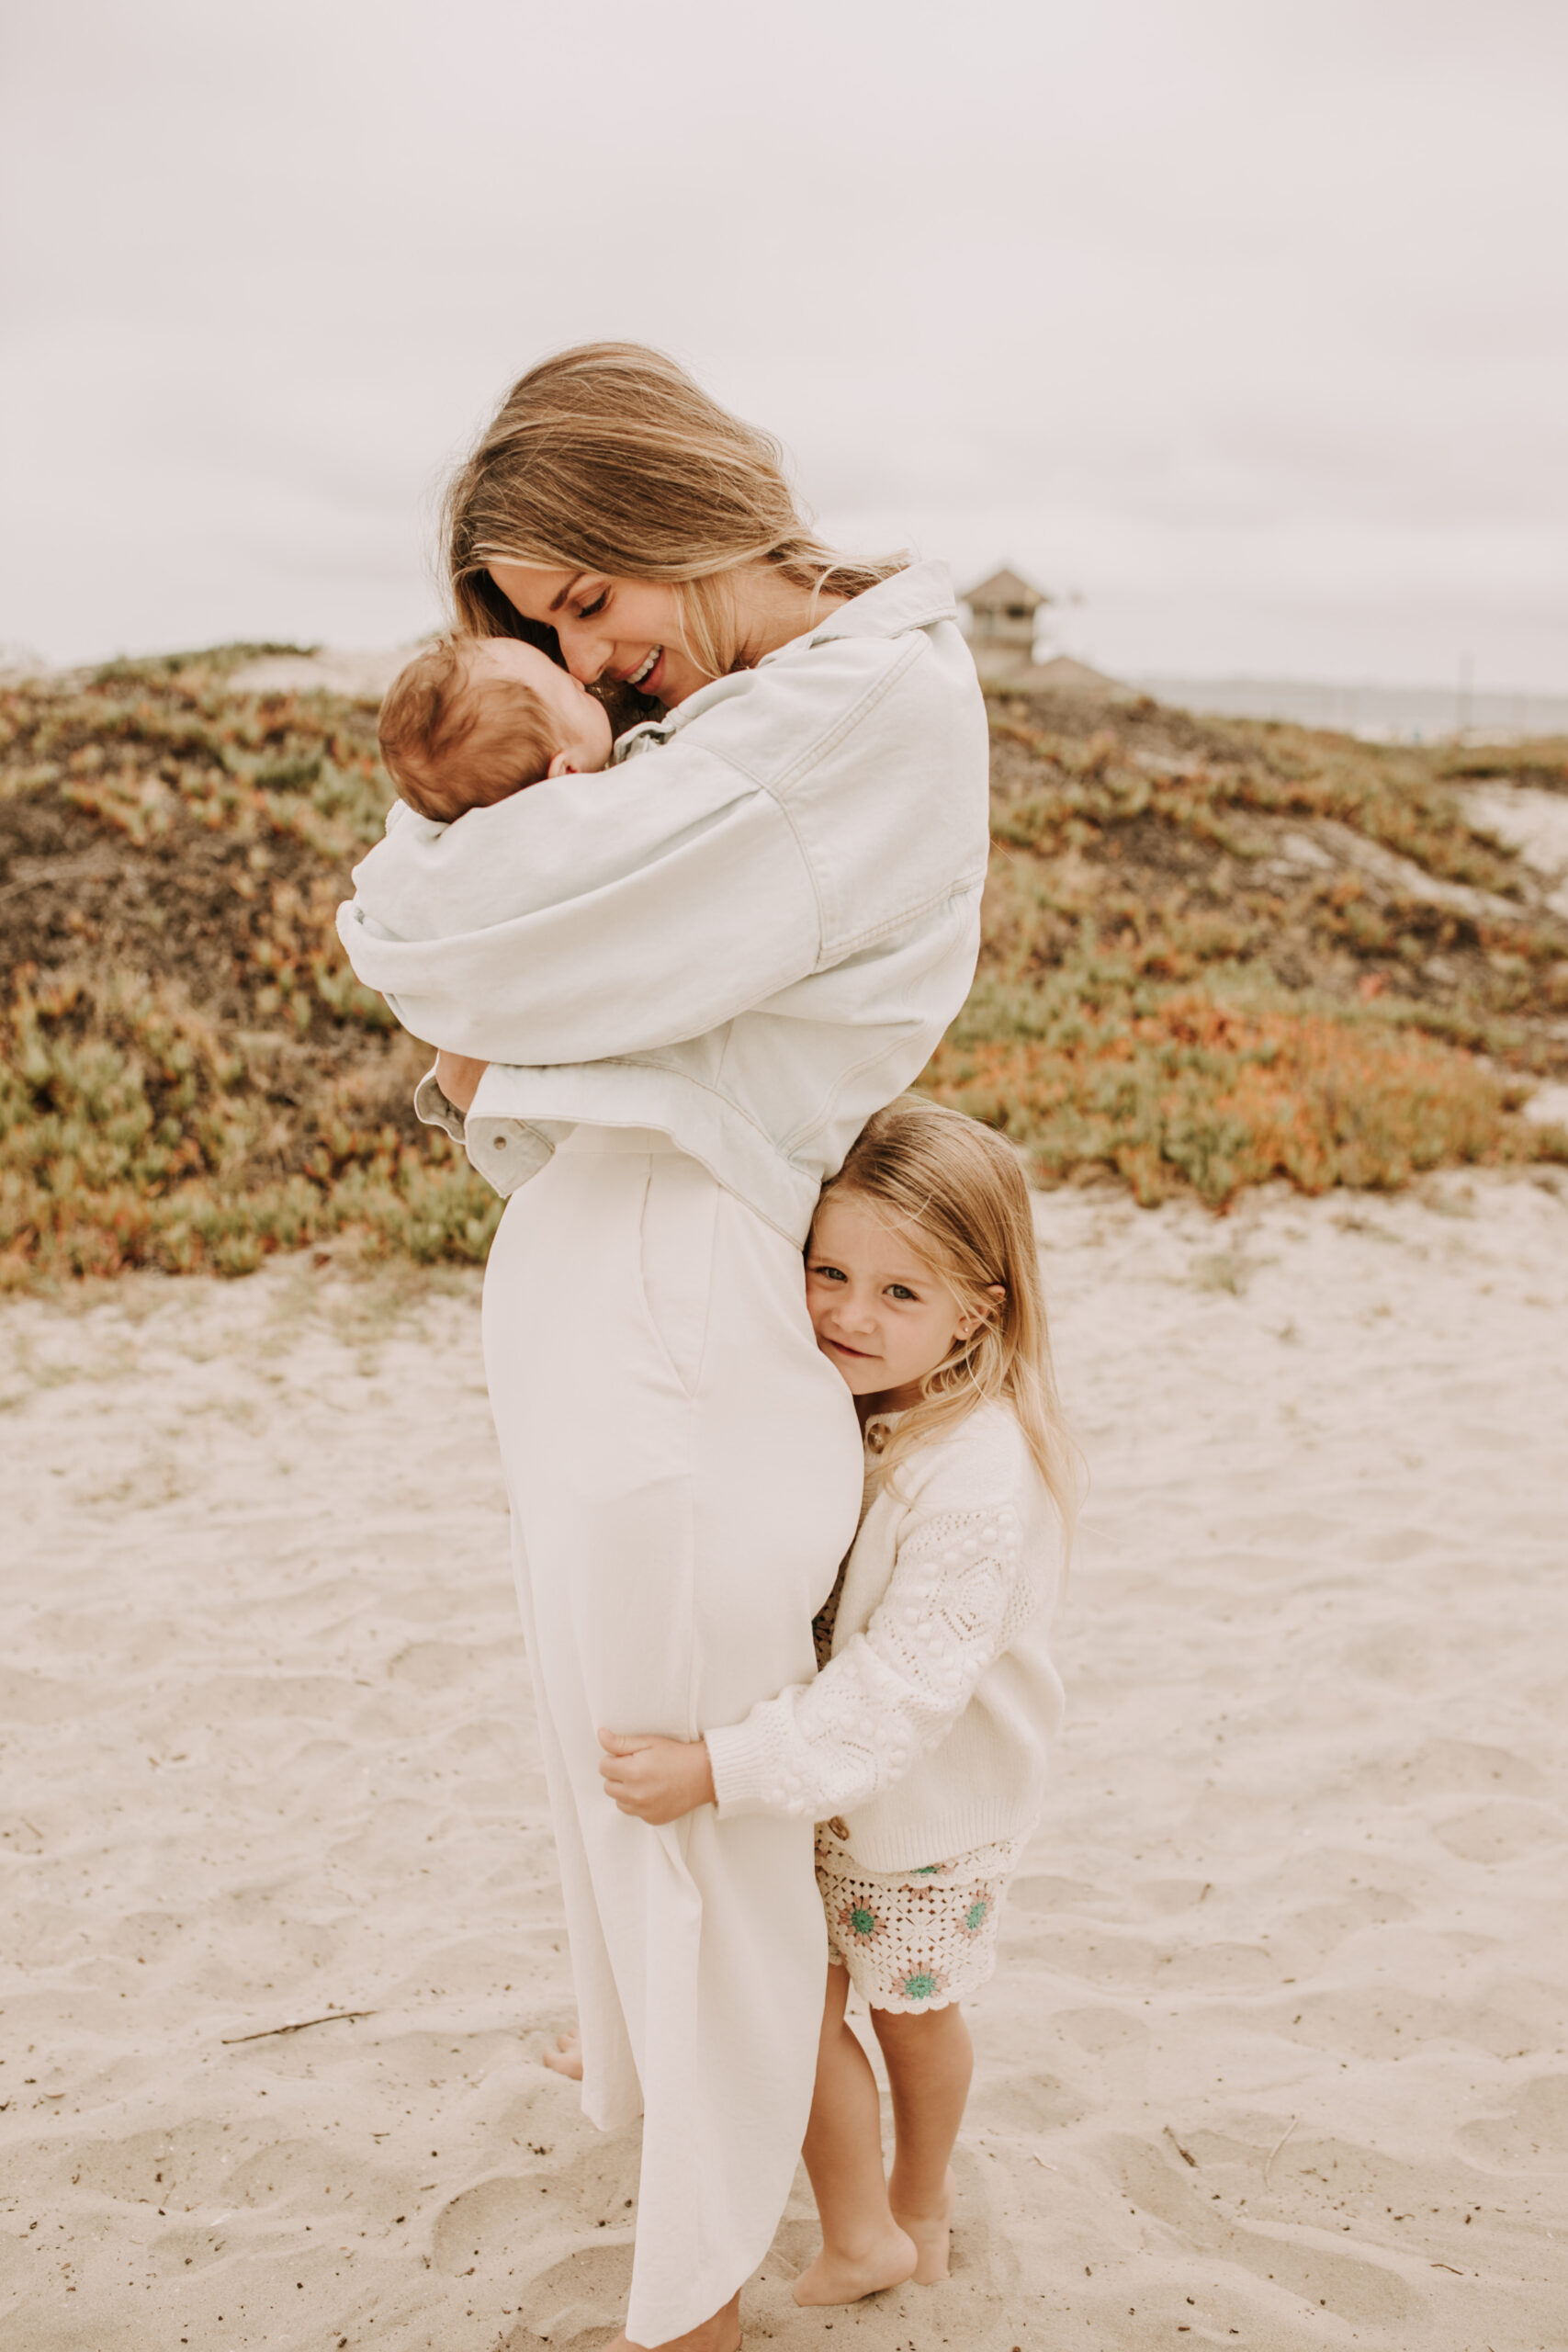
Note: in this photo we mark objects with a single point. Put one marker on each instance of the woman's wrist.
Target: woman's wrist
(458, 1076)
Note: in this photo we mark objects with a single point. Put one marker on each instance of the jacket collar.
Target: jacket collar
(916, 598)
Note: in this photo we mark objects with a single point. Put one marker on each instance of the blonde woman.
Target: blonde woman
(666, 998)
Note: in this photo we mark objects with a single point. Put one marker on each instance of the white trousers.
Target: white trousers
(684, 1470)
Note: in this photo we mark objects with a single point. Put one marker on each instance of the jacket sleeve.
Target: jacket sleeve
(954, 1600)
(660, 908)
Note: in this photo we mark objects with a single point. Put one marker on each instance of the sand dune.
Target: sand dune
(1279, 2055)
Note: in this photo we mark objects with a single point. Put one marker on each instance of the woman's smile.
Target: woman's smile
(642, 675)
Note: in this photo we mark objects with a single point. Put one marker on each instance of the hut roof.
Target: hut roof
(1004, 587)
(1066, 677)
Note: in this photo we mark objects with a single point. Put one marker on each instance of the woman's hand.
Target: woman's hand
(656, 1780)
(458, 1078)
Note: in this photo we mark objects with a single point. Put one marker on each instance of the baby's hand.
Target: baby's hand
(656, 1780)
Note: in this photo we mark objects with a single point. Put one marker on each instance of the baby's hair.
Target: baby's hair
(956, 1189)
(434, 747)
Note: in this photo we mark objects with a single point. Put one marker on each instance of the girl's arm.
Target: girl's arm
(957, 1596)
(892, 1694)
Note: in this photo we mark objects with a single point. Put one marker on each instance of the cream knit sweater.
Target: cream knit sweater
(929, 1727)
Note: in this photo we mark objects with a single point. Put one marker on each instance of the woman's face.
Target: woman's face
(625, 630)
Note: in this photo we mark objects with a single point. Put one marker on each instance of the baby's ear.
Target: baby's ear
(561, 765)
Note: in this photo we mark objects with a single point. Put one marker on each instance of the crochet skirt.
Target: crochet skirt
(914, 1940)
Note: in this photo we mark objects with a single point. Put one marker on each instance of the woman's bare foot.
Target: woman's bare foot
(720, 2334)
(836, 2279)
(566, 2058)
(930, 2233)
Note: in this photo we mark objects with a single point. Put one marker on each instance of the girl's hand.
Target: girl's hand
(656, 1780)
(458, 1078)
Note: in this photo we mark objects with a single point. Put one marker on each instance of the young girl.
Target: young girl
(921, 1748)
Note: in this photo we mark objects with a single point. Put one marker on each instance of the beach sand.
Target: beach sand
(1278, 2055)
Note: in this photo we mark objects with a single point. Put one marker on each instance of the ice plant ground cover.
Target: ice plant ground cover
(1216, 952)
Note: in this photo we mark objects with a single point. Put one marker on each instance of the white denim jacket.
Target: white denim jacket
(749, 933)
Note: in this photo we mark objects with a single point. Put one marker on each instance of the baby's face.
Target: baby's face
(582, 725)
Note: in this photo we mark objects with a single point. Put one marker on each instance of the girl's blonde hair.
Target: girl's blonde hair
(958, 1191)
(610, 458)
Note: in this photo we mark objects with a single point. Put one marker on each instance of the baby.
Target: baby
(473, 719)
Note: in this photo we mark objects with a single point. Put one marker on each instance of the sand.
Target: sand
(334, 670)
(1278, 2055)
(1534, 822)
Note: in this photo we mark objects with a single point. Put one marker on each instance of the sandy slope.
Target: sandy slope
(1279, 2055)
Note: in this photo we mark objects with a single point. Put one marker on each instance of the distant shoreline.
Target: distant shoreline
(1381, 713)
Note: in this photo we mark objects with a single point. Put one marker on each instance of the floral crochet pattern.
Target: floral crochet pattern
(858, 1921)
(914, 1940)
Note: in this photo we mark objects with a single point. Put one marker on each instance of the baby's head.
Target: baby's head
(472, 720)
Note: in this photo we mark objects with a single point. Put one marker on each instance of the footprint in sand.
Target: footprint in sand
(1533, 2130)
(1500, 1832)
(1027, 2101)
(1364, 2288)
(565, 2191)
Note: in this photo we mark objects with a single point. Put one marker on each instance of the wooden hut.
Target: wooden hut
(1002, 619)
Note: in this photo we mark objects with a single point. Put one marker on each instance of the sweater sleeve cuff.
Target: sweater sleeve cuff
(744, 1779)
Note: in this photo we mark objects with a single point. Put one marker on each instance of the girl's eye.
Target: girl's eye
(586, 612)
(827, 1273)
(899, 1291)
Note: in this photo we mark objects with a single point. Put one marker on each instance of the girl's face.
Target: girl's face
(625, 630)
(881, 1313)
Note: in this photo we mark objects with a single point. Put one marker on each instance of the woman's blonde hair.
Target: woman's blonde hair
(609, 458)
(957, 1191)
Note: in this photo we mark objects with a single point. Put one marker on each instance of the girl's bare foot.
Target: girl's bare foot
(566, 2058)
(720, 2334)
(930, 2233)
(837, 2278)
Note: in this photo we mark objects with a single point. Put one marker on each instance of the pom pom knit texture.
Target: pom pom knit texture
(898, 1687)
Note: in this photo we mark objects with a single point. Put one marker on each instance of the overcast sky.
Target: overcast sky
(1243, 321)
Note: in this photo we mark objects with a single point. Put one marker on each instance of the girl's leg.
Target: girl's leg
(930, 2061)
(862, 2247)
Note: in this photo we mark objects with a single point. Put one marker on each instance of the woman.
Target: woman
(668, 998)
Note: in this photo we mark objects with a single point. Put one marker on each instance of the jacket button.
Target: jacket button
(500, 1142)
